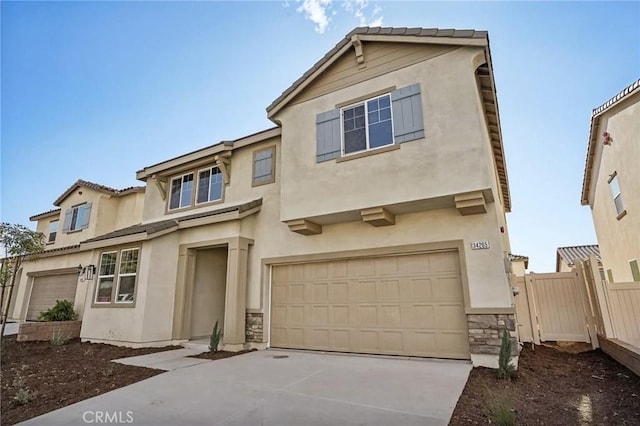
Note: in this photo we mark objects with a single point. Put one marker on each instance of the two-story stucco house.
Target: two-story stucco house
(83, 211)
(611, 185)
(371, 219)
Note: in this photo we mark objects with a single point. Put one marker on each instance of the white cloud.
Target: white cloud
(285, 4)
(358, 9)
(316, 12)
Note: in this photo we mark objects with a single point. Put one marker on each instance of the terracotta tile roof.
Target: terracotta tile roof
(97, 187)
(573, 253)
(594, 134)
(154, 227)
(44, 214)
(415, 32)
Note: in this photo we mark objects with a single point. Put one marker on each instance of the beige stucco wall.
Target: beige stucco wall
(450, 160)
(619, 240)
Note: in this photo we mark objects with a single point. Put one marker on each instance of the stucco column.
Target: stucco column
(236, 295)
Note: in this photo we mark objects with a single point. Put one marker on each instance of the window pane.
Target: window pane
(74, 219)
(203, 186)
(53, 230)
(355, 141)
(174, 201)
(129, 261)
(385, 114)
(384, 102)
(187, 190)
(615, 189)
(380, 134)
(373, 117)
(215, 189)
(108, 263)
(105, 285)
(126, 289)
(618, 202)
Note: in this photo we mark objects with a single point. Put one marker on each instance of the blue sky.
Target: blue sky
(98, 90)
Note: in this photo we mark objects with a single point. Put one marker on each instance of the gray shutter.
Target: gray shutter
(328, 135)
(67, 220)
(85, 216)
(407, 114)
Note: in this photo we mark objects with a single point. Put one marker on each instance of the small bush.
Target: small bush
(215, 338)
(23, 396)
(62, 311)
(501, 411)
(59, 338)
(506, 369)
(108, 371)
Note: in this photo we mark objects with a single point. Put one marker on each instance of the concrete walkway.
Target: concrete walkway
(11, 328)
(167, 360)
(282, 388)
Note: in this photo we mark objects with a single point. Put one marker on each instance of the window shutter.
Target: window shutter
(328, 135)
(83, 220)
(407, 114)
(67, 220)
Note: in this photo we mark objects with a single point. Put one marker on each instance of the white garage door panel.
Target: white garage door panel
(401, 305)
(46, 290)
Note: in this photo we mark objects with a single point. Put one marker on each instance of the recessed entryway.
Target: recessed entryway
(209, 290)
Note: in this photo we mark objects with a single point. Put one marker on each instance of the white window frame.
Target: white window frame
(210, 169)
(366, 124)
(57, 222)
(616, 195)
(75, 214)
(193, 188)
(115, 270)
(129, 274)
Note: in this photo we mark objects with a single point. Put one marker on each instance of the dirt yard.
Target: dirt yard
(554, 387)
(56, 376)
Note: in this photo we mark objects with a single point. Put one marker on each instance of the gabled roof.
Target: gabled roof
(163, 225)
(485, 78)
(572, 254)
(594, 133)
(54, 212)
(97, 187)
(344, 44)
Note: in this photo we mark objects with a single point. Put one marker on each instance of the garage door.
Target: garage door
(397, 305)
(46, 290)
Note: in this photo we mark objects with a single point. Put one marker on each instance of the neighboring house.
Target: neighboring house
(84, 210)
(611, 185)
(519, 264)
(566, 257)
(370, 220)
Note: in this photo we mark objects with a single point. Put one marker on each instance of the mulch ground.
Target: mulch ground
(219, 354)
(57, 376)
(555, 387)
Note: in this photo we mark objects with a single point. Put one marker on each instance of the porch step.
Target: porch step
(199, 344)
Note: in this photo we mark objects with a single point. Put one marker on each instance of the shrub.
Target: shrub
(108, 371)
(501, 410)
(506, 369)
(215, 338)
(62, 311)
(59, 338)
(23, 396)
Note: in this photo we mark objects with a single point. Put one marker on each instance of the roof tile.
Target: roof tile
(573, 253)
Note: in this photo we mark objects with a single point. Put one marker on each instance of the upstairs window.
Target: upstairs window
(76, 218)
(263, 166)
(367, 125)
(53, 231)
(615, 193)
(181, 192)
(210, 183)
(382, 120)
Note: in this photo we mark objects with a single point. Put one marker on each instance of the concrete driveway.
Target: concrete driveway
(278, 388)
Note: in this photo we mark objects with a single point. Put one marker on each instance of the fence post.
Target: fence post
(535, 327)
(587, 305)
(602, 297)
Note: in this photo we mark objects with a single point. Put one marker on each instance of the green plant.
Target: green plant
(215, 338)
(59, 338)
(23, 396)
(61, 311)
(506, 369)
(501, 411)
(108, 371)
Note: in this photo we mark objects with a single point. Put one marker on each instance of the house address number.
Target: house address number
(479, 245)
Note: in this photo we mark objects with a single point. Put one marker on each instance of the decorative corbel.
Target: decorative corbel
(160, 186)
(357, 45)
(223, 161)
